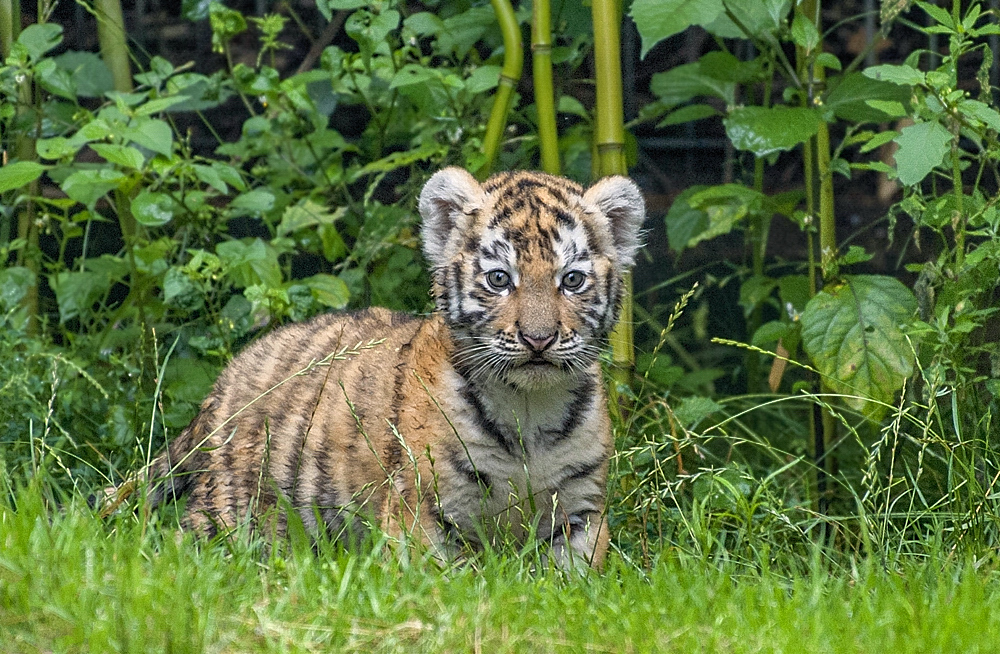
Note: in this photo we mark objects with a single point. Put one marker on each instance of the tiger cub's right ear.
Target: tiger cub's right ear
(448, 197)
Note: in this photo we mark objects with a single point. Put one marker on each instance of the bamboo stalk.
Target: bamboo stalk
(114, 46)
(609, 132)
(9, 29)
(510, 75)
(541, 66)
(609, 137)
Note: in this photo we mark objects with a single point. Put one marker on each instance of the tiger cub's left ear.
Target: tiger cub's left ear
(619, 199)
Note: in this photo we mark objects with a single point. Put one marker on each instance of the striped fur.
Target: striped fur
(487, 417)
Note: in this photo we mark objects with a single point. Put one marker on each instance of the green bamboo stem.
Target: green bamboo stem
(609, 131)
(114, 46)
(9, 29)
(609, 137)
(510, 75)
(541, 66)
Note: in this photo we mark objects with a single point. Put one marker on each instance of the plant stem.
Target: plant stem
(510, 75)
(29, 102)
(817, 169)
(541, 66)
(114, 47)
(609, 139)
(958, 220)
(760, 226)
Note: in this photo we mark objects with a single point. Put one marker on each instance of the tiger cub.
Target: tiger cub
(486, 417)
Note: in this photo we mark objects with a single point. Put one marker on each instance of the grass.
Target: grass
(72, 583)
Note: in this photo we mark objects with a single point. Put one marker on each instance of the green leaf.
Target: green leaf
(854, 254)
(804, 32)
(90, 75)
(197, 10)
(252, 203)
(981, 112)
(327, 7)
(682, 83)
(55, 80)
(19, 173)
(369, 29)
(937, 13)
(226, 23)
(38, 39)
(858, 98)
(764, 130)
(853, 333)
(755, 290)
(724, 67)
(397, 160)
(828, 60)
(485, 78)
(659, 19)
(683, 221)
(328, 290)
(759, 19)
(413, 74)
(687, 114)
(901, 74)
(159, 104)
(122, 155)
(306, 214)
(692, 410)
(153, 209)
(56, 147)
(88, 186)
(570, 105)
(921, 147)
(422, 23)
(771, 332)
(14, 284)
(211, 177)
(77, 291)
(703, 212)
(229, 175)
(878, 140)
(461, 32)
(152, 134)
(250, 262)
(890, 108)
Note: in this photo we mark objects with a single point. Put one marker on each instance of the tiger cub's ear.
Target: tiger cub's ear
(448, 198)
(621, 203)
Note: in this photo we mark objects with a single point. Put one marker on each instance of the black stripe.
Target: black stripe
(564, 217)
(582, 396)
(462, 464)
(577, 471)
(485, 423)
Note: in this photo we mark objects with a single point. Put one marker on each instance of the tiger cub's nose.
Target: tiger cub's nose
(536, 342)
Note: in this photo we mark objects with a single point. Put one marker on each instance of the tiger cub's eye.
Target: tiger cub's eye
(498, 279)
(573, 280)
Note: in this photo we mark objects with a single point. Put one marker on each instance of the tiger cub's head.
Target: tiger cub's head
(528, 269)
